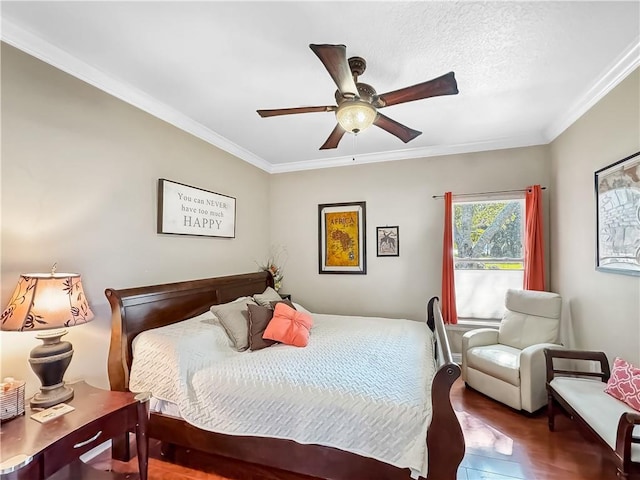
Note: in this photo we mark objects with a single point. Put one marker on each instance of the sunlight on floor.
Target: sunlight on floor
(478, 434)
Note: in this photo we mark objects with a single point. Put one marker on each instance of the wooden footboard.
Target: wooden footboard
(445, 441)
(135, 310)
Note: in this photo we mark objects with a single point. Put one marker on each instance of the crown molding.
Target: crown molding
(619, 69)
(497, 144)
(36, 46)
(45, 51)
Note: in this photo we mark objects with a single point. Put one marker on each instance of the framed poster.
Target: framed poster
(342, 246)
(618, 216)
(388, 241)
(185, 210)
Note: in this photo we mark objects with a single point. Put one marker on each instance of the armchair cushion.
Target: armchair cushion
(531, 317)
(499, 361)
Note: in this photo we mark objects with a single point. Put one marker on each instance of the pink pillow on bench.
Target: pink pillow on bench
(624, 383)
(288, 326)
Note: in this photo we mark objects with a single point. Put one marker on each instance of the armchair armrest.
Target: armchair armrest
(476, 338)
(552, 353)
(624, 437)
(479, 337)
(533, 392)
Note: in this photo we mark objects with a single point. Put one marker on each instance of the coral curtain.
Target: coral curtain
(449, 311)
(534, 241)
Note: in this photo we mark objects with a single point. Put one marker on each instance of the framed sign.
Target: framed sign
(342, 238)
(185, 210)
(388, 241)
(618, 216)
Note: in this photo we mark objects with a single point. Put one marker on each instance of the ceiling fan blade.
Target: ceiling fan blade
(334, 58)
(334, 138)
(444, 85)
(290, 111)
(404, 133)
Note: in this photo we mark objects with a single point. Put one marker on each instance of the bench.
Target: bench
(581, 394)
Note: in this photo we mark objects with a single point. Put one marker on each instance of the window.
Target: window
(488, 249)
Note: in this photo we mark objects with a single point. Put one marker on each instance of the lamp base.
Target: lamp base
(50, 396)
(49, 361)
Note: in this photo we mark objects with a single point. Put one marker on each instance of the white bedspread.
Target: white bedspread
(362, 384)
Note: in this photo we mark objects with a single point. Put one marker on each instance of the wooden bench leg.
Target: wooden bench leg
(550, 412)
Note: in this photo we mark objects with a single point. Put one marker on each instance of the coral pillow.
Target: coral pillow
(624, 383)
(289, 326)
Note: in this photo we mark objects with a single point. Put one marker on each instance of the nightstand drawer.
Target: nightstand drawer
(87, 437)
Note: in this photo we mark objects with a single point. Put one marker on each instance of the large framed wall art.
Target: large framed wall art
(185, 210)
(618, 216)
(342, 245)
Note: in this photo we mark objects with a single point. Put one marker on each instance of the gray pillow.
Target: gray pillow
(234, 318)
(265, 298)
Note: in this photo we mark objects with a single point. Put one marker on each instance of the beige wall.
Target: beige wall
(79, 181)
(79, 178)
(397, 193)
(605, 307)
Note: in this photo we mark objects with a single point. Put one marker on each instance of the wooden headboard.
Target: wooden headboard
(134, 310)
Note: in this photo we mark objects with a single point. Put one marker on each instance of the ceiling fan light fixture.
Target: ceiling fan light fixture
(355, 116)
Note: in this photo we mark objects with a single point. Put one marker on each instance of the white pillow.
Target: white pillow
(265, 298)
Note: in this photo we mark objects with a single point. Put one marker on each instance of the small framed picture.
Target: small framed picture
(388, 241)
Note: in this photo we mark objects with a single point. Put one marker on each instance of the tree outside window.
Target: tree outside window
(488, 244)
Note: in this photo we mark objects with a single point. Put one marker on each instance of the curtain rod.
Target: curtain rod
(486, 193)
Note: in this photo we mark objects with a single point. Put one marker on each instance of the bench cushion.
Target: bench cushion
(600, 410)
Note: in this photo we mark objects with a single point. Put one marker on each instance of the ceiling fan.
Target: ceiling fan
(358, 103)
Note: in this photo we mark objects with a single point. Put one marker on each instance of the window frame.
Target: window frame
(473, 314)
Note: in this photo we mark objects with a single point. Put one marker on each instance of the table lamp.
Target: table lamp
(44, 301)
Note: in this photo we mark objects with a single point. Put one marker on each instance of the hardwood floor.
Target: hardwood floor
(502, 444)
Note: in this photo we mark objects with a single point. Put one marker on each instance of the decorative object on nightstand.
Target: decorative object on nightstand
(11, 398)
(42, 302)
(275, 266)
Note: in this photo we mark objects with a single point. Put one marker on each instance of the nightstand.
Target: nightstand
(32, 450)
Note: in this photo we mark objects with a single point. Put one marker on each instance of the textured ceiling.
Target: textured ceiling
(525, 70)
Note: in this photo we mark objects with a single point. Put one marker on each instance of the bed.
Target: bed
(137, 310)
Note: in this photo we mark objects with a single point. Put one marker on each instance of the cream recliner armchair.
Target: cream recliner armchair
(508, 364)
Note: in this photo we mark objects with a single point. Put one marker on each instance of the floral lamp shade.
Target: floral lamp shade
(45, 301)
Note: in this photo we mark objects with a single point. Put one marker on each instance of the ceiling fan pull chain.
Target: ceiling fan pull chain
(354, 144)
